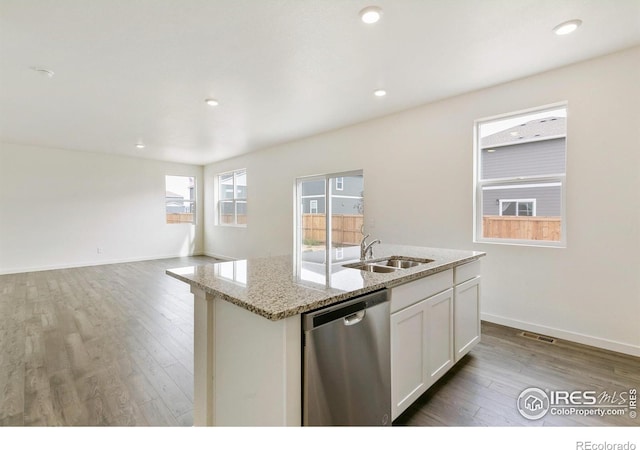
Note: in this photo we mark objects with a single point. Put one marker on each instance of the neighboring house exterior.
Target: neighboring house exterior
(175, 202)
(227, 208)
(346, 196)
(229, 200)
(528, 149)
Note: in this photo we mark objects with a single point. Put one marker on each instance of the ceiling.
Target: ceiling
(138, 71)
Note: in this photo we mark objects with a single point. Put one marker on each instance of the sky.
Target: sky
(179, 185)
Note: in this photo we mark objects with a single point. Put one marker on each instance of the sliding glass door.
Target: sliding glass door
(332, 238)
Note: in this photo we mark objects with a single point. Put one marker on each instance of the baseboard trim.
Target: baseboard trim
(593, 341)
(94, 263)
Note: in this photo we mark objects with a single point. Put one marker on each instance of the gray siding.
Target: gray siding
(306, 205)
(547, 199)
(351, 187)
(229, 208)
(315, 187)
(339, 205)
(527, 159)
(346, 205)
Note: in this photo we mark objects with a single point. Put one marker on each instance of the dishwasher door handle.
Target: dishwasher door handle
(355, 318)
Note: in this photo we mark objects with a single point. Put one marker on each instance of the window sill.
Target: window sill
(518, 243)
(231, 225)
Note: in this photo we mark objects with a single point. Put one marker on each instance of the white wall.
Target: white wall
(418, 168)
(57, 207)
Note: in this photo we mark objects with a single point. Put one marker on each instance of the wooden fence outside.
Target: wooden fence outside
(345, 228)
(519, 227)
(179, 217)
(228, 219)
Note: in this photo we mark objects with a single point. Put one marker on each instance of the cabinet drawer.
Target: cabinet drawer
(466, 272)
(414, 291)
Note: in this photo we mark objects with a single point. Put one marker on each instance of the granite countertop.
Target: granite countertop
(277, 288)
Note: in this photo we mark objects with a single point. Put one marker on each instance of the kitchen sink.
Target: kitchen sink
(368, 267)
(390, 264)
(404, 263)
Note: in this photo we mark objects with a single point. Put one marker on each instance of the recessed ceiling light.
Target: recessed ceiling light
(379, 92)
(43, 71)
(567, 27)
(212, 102)
(370, 14)
(140, 146)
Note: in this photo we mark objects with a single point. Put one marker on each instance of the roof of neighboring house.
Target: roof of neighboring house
(532, 130)
(170, 194)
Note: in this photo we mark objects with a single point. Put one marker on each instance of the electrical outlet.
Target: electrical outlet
(100, 249)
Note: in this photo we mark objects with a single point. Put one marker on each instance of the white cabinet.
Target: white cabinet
(466, 316)
(466, 309)
(435, 321)
(440, 334)
(421, 348)
(409, 293)
(409, 356)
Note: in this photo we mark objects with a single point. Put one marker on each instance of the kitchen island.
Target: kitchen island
(247, 326)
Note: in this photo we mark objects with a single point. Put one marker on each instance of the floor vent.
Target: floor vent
(538, 337)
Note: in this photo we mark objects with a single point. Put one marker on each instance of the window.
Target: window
(337, 234)
(340, 184)
(518, 207)
(180, 199)
(520, 170)
(232, 198)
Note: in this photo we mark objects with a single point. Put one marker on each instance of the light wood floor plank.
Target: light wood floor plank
(183, 378)
(157, 414)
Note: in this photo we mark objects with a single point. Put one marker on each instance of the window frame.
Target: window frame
(299, 210)
(517, 201)
(192, 202)
(235, 200)
(479, 184)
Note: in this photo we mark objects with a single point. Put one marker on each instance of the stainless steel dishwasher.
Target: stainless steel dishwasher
(347, 368)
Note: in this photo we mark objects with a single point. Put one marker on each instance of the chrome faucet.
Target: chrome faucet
(367, 248)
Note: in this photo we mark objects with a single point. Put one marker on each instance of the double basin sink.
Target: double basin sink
(387, 265)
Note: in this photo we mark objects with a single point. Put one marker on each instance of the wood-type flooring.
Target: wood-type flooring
(112, 345)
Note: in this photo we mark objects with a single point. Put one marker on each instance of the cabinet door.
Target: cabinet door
(409, 357)
(439, 334)
(466, 316)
